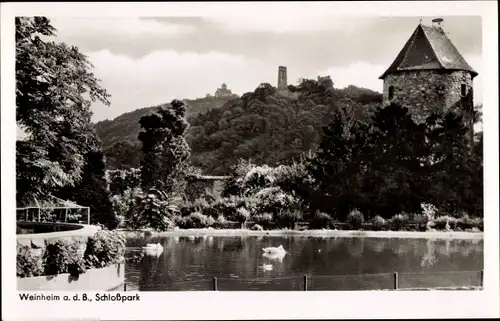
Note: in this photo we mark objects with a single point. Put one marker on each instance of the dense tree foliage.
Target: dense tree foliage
(245, 127)
(164, 147)
(268, 127)
(54, 90)
(120, 135)
(92, 190)
(392, 165)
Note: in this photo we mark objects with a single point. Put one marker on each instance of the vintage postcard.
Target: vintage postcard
(250, 160)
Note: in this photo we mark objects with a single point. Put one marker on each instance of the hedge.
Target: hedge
(73, 256)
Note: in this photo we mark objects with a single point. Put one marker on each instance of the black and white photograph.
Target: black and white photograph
(260, 152)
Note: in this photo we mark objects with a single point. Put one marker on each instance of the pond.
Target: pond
(330, 263)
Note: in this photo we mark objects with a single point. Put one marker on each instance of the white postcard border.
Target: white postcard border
(255, 305)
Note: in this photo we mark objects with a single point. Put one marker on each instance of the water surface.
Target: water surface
(330, 263)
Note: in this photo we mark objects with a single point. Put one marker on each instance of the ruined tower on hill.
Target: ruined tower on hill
(430, 75)
(282, 79)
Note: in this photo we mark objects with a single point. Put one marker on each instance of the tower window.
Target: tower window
(463, 90)
(391, 92)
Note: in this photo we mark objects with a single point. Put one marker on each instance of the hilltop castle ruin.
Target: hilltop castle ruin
(430, 75)
(222, 92)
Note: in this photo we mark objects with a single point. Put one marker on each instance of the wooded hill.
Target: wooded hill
(264, 125)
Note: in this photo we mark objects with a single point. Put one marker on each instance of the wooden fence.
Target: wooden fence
(395, 281)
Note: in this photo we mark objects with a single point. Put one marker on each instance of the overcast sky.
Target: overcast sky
(144, 62)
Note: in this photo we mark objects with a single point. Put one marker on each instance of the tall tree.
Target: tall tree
(395, 181)
(164, 146)
(93, 190)
(456, 166)
(338, 167)
(54, 90)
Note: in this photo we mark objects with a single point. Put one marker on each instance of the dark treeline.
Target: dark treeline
(392, 165)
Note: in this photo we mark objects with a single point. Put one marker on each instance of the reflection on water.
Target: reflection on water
(190, 263)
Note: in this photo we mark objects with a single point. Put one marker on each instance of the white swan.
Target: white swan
(274, 253)
(274, 256)
(153, 249)
(266, 267)
(274, 250)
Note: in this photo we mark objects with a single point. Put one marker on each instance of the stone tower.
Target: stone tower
(282, 81)
(430, 75)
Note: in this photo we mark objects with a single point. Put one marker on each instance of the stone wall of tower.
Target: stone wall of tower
(282, 78)
(426, 91)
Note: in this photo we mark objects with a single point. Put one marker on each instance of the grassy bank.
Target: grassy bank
(308, 233)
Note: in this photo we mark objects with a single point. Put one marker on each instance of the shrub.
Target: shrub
(63, 256)
(248, 202)
(196, 220)
(287, 218)
(290, 177)
(355, 219)
(445, 223)
(257, 178)
(242, 214)
(221, 222)
(429, 210)
(29, 261)
(321, 221)
(72, 256)
(121, 180)
(211, 211)
(378, 223)
(199, 205)
(399, 222)
(125, 205)
(157, 210)
(233, 187)
(274, 200)
(478, 223)
(264, 219)
(105, 248)
(467, 223)
(421, 221)
(226, 207)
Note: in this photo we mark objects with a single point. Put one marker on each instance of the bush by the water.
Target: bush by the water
(242, 215)
(73, 256)
(288, 218)
(195, 220)
(421, 221)
(321, 221)
(264, 219)
(446, 223)
(398, 222)
(274, 200)
(104, 248)
(466, 223)
(378, 223)
(355, 219)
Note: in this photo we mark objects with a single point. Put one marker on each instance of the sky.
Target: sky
(147, 61)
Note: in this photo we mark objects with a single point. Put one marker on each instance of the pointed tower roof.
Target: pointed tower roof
(429, 49)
